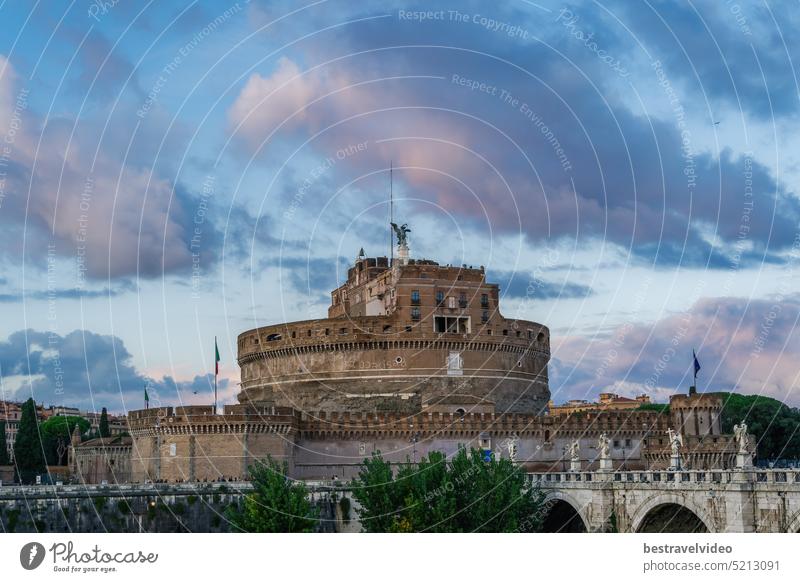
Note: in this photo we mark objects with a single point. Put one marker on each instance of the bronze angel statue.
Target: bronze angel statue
(402, 234)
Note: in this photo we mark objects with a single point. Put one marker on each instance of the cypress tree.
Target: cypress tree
(4, 460)
(104, 430)
(28, 455)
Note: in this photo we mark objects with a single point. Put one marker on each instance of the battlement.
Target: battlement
(201, 419)
(343, 425)
(338, 425)
(696, 414)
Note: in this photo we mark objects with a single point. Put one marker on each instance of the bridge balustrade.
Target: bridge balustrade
(669, 476)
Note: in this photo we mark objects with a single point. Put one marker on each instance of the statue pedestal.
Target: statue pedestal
(402, 255)
(605, 464)
(574, 466)
(744, 461)
(675, 462)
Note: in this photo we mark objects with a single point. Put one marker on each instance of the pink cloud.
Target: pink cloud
(750, 346)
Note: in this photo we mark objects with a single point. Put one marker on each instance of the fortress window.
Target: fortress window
(462, 300)
(505, 332)
(408, 329)
(415, 297)
(343, 331)
(488, 332)
(309, 333)
(294, 334)
(273, 337)
(439, 297)
(518, 333)
(443, 324)
(616, 444)
(415, 313)
(387, 328)
(484, 300)
(627, 442)
(451, 302)
(547, 435)
(485, 316)
(327, 331)
(540, 337)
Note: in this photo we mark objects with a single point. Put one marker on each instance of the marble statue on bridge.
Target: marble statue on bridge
(603, 446)
(740, 435)
(575, 451)
(675, 441)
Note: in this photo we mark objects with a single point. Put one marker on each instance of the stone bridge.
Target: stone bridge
(748, 500)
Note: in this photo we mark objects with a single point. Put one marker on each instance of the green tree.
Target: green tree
(28, 454)
(277, 503)
(4, 460)
(380, 495)
(56, 434)
(104, 430)
(775, 426)
(464, 494)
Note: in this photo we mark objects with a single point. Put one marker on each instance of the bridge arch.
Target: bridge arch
(667, 499)
(565, 514)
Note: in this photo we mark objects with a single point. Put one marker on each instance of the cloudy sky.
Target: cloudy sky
(171, 172)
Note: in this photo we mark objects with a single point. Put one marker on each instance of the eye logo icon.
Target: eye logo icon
(31, 555)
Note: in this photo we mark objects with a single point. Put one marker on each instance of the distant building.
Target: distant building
(607, 401)
(62, 411)
(117, 425)
(11, 413)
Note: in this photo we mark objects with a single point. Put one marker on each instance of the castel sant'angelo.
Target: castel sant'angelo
(411, 337)
(414, 356)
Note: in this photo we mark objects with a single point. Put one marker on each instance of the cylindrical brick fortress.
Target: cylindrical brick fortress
(408, 338)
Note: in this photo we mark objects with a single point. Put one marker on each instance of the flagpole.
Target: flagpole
(391, 214)
(216, 372)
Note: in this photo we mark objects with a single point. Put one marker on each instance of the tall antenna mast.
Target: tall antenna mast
(391, 214)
